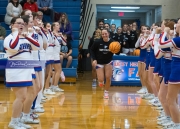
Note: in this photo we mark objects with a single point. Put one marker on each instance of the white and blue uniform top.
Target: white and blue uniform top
(19, 49)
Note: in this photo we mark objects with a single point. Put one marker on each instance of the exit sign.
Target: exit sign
(121, 14)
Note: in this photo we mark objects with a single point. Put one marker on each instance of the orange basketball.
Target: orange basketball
(114, 47)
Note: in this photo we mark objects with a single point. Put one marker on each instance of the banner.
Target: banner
(124, 70)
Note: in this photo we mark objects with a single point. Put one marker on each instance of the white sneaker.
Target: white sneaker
(15, 125)
(150, 97)
(157, 104)
(39, 110)
(162, 118)
(153, 100)
(29, 120)
(163, 121)
(145, 95)
(24, 125)
(34, 115)
(143, 90)
(168, 123)
(49, 92)
(159, 108)
(57, 89)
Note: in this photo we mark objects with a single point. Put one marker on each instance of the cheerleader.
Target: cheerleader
(49, 58)
(174, 78)
(141, 62)
(58, 40)
(18, 46)
(166, 53)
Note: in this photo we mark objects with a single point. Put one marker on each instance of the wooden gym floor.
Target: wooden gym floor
(82, 107)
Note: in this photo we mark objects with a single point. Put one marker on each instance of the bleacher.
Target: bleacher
(72, 9)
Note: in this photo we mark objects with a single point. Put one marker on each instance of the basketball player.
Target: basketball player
(102, 60)
(18, 46)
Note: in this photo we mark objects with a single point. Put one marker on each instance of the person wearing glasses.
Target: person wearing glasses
(13, 9)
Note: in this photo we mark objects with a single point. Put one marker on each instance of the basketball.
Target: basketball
(114, 47)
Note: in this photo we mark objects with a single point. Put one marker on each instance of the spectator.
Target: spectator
(2, 36)
(45, 6)
(31, 5)
(66, 51)
(40, 15)
(107, 26)
(125, 40)
(119, 37)
(100, 26)
(13, 9)
(113, 34)
(65, 26)
(2, 33)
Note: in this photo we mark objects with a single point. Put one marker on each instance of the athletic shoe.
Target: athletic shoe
(143, 90)
(168, 123)
(163, 121)
(157, 104)
(149, 97)
(106, 95)
(24, 125)
(172, 126)
(57, 89)
(62, 76)
(153, 100)
(35, 116)
(94, 84)
(39, 110)
(15, 125)
(49, 92)
(145, 95)
(29, 120)
(162, 118)
(159, 108)
(43, 98)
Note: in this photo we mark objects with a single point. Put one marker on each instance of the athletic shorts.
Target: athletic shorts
(152, 58)
(102, 65)
(175, 71)
(157, 66)
(166, 70)
(142, 56)
(147, 60)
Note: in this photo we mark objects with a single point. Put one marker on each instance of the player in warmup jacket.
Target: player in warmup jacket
(102, 60)
(18, 46)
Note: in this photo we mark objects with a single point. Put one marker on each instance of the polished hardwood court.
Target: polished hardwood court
(82, 106)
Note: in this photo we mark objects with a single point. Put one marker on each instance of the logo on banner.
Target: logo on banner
(117, 71)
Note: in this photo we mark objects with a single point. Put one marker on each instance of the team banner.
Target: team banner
(124, 70)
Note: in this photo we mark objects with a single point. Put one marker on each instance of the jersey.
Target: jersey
(100, 51)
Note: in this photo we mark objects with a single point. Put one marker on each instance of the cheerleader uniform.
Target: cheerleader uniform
(142, 55)
(166, 63)
(146, 45)
(50, 49)
(58, 40)
(174, 45)
(19, 49)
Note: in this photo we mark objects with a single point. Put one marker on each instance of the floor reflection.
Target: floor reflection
(83, 107)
